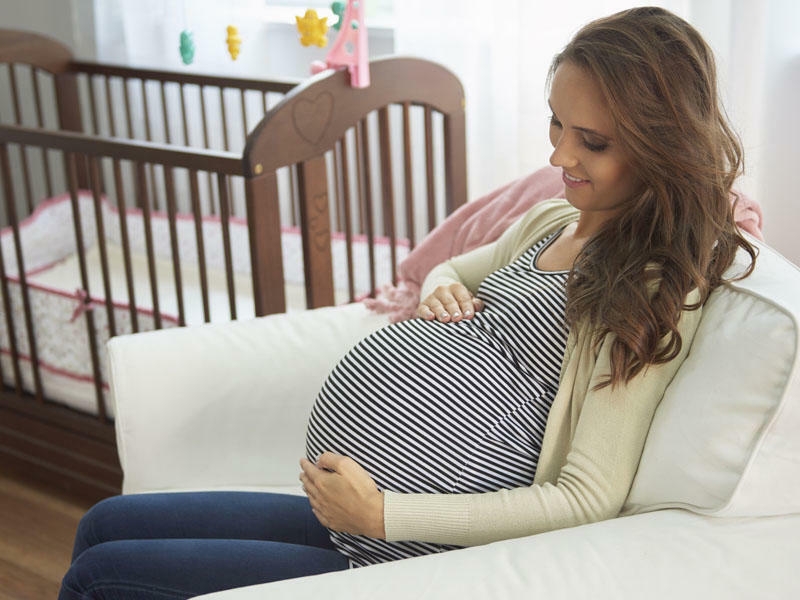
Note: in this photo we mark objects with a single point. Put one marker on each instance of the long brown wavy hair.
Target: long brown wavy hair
(659, 79)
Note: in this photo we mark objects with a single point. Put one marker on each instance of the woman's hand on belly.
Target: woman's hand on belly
(343, 496)
(449, 303)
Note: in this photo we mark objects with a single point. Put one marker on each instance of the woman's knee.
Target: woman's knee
(87, 574)
(128, 569)
(100, 524)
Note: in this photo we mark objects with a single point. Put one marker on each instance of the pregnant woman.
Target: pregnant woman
(520, 398)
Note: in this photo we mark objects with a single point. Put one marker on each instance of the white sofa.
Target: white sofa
(225, 406)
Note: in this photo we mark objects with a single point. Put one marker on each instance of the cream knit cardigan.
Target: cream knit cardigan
(593, 440)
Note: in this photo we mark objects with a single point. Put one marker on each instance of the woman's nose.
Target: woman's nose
(563, 155)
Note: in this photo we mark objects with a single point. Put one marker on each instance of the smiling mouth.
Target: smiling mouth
(572, 181)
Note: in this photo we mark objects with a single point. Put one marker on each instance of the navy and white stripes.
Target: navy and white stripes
(449, 408)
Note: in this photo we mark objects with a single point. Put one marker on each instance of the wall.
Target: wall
(70, 21)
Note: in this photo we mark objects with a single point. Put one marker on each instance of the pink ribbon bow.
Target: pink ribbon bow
(85, 303)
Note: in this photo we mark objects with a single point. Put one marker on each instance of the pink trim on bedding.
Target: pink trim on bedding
(96, 300)
(40, 208)
(55, 370)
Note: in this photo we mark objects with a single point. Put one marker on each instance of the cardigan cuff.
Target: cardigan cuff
(433, 518)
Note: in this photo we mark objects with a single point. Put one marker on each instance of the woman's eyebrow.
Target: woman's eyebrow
(588, 130)
(592, 132)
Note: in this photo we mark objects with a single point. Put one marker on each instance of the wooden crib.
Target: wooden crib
(140, 199)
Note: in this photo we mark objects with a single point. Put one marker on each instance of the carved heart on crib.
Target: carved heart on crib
(312, 117)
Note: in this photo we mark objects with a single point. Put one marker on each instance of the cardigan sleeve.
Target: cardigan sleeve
(602, 456)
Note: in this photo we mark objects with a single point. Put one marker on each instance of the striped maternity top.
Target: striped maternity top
(449, 408)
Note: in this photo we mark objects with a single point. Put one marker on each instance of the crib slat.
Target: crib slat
(126, 245)
(183, 116)
(337, 204)
(26, 179)
(7, 308)
(110, 108)
(225, 216)
(146, 109)
(40, 122)
(224, 119)
(165, 113)
(144, 203)
(71, 164)
(173, 238)
(429, 167)
(294, 198)
(201, 247)
(94, 170)
(206, 144)
(128, 118)
(387, 187)
(204, 114)
(266, 254)
(244, 114)
(148, 134)
(93, 106)
(316, 232)
(366, 198)
(408, 171)
(347, 216)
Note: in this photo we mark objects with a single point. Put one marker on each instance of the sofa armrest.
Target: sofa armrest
(659, 556)
(224, 405)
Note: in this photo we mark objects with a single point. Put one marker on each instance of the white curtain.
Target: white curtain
(758, 48)
(501, 50)
(147, 33)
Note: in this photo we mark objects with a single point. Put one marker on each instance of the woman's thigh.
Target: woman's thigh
(202, 515)
(182, 568)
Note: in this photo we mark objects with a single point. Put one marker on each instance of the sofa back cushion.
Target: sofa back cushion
(725, 439)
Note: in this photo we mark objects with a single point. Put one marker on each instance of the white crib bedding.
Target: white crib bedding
(58, 299)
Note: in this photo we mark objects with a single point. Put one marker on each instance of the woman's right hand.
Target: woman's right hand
(449, 303)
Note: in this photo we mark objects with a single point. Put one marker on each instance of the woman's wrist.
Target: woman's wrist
(377, 527)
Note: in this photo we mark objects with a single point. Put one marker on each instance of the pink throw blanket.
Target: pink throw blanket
(482, 221)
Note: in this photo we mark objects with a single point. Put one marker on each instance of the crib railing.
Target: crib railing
(107, 307)
(174, 108)
(388, 162)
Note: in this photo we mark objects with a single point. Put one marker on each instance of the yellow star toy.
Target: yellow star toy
(312, 29)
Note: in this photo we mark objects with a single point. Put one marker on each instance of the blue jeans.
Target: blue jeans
(178, 545)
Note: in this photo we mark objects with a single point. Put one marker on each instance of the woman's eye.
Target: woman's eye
(555, 122)
(595, 147)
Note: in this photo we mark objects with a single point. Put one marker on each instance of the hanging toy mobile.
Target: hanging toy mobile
(187, 47)
(349, 50)
(338, 10)
(312, 29)
(187, 41)
(234, 42)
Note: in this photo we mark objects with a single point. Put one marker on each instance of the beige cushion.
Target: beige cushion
(725, 439)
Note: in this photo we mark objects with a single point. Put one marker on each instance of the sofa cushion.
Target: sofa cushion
(724, 439)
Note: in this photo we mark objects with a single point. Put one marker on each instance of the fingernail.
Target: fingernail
(443, 315)
(456, 314)
(467, 313)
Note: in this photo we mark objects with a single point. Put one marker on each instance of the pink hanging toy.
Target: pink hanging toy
(350, 47)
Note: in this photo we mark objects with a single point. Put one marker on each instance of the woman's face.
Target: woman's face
(596, 171)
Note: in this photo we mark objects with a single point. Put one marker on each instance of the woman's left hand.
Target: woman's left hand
(343, 496)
